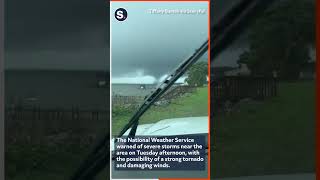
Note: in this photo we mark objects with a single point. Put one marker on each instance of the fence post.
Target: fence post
(276, 86)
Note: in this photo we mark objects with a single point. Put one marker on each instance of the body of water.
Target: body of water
(132, 89)
(56, 89)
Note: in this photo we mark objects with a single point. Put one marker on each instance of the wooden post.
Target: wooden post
(276, 86)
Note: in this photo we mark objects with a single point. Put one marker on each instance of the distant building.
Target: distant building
(142, 86)
(242, 70)
(308, 70)
(102, 79)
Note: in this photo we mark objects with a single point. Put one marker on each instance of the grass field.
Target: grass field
(39, 162)
(36, 162)
(195, 104)
(43, 162)
(276, 136)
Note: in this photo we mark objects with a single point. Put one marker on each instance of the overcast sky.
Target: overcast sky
(59, 34)
(74, 34)
(153, 44)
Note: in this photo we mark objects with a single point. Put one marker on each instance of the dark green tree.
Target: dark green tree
(197, 74)
(280, 39)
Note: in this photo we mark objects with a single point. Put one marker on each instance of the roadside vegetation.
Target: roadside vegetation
(190, 104)
(275, 136)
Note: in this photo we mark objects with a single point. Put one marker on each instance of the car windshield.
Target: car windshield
(149, 57)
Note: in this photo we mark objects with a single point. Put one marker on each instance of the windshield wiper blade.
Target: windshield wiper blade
(95, 161)
(163, 87)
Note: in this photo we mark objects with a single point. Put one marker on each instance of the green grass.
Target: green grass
(38, 162)
(24, 162)
(276, 136)
(195, 104)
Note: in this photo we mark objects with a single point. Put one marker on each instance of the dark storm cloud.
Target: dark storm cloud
(74, 34)
(155, 61)
(56, 24)
(154, 44)
(169, 57)
(59, 34)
